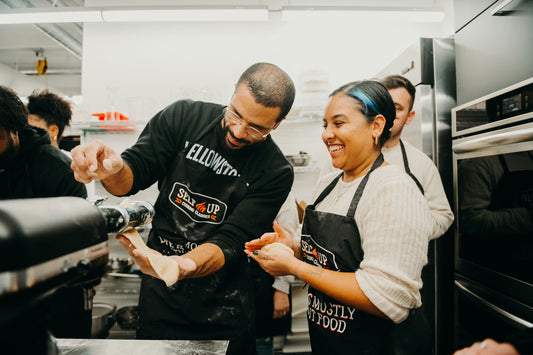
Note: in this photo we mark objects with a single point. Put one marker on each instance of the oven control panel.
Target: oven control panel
(503, 108)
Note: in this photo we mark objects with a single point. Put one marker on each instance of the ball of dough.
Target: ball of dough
(277, 246)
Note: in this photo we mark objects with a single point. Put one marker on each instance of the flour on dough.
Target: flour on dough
(276, 246)
(166, 268)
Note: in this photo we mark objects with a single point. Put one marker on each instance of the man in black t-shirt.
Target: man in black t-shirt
(221, 180)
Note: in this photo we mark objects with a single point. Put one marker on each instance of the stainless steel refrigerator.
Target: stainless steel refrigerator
(429, 64)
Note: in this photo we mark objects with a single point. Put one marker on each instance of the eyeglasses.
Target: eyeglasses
(253, 132)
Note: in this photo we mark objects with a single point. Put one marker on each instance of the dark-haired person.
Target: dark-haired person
(221, 179)
(364, 239)
(50, 112)
(417, 164)
(31, 168)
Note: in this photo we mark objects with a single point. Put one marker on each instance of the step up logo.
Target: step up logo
(198, 207)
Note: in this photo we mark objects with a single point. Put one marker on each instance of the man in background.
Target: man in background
(416, 164)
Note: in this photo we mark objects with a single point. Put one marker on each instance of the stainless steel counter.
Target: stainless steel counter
(140, 347)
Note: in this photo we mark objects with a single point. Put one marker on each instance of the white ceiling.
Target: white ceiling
(22, 45)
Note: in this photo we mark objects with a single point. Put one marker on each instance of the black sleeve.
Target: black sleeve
(153, 151)
(256, 212)
(52, 176)
(162, 137)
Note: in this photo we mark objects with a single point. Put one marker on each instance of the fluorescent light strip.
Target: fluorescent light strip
(117, 14)
(180, 15)
(80, 14)
(50, 15)
(367, 15)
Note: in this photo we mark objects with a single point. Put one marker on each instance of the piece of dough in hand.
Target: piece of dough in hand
(166, 268)
(277, 246)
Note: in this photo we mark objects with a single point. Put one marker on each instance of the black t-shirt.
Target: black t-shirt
(39, 170)
(263, 166)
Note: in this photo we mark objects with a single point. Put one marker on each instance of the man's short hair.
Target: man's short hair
(398, 81)
(270, 86)
(13, 113)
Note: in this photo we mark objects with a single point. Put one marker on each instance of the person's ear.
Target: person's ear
(53, 130)
(410, 117)
(378, 124)
(278, 123)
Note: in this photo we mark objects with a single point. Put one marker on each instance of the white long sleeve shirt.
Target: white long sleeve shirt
(394, 223)
(427, 174)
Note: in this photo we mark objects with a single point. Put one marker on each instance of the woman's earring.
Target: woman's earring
(376, 139)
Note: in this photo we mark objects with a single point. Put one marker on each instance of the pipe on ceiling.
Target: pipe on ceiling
(53, 31)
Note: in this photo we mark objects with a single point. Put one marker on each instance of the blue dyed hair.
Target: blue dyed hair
(373, 99)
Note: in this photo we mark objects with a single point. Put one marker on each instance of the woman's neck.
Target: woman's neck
(362, 169)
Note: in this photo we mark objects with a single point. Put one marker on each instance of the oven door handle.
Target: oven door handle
(502, 138)
(498, 10)
(501, 313)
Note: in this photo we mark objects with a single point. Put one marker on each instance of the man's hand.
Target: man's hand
(281, 304)
(94, 161)
(141, 257)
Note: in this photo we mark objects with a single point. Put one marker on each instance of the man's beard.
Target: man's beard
(227, 132)
(9, 155)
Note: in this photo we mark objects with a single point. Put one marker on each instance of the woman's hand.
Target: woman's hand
(276, 261)
(279, 235)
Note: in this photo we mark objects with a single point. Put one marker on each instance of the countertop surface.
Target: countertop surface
(138, 347)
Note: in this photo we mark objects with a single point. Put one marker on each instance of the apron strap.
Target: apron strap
(327, 190)
(359, 192)
(407, 170)
(205, 130)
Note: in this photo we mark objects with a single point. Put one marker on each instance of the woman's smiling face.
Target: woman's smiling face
(347, 134)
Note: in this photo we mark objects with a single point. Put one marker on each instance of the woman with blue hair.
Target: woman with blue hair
(363, 241)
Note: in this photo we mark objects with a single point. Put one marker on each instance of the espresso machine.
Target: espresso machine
(46, 245)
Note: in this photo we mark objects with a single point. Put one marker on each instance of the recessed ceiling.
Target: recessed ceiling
(22, 45)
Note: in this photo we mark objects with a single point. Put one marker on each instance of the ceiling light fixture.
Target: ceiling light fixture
(130, 14)
(366, 14)
(49, 15)
(227, 14)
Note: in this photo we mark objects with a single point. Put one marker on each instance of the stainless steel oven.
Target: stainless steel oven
(493, 186)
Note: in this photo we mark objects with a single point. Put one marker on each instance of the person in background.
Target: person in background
(364, 240)
(50, 112)
(32, 168)
(415, 163)
(29, 166)
(272, 302)
(222, 180)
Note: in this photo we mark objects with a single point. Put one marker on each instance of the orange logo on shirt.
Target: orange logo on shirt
(198, 207)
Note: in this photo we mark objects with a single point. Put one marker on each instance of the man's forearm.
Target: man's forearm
(208, 257)
(120, 183)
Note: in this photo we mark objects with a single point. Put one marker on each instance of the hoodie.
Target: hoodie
(38, 170)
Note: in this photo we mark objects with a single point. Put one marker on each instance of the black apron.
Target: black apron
(192, 204)
(332, 241)
(408, 170)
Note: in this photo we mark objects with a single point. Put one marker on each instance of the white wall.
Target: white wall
(139, 68)
(22, 84)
